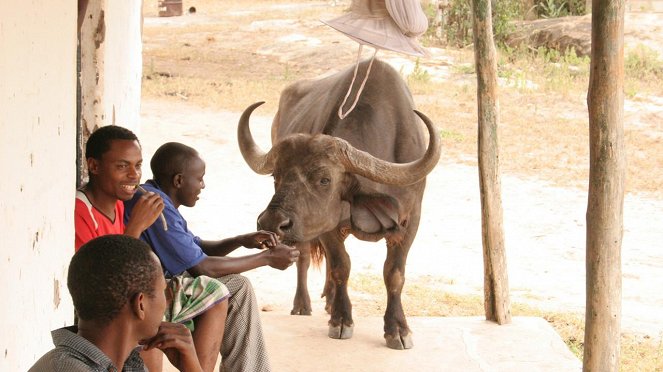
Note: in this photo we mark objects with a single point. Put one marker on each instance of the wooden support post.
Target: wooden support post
(496, 283)
(91, 38)
(605, 207)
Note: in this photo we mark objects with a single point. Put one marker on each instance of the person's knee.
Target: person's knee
(220, 308)
(241, 284)
(215, 316)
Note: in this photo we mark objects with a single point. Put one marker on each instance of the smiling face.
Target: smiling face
(190, 182)
(118, 172)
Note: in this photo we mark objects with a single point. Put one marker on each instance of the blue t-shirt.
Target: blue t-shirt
(178, 249)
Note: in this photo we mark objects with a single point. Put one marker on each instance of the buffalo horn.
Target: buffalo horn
(378, 170)
(258, 160)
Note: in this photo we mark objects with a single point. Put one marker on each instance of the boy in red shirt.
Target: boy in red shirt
(114, 162)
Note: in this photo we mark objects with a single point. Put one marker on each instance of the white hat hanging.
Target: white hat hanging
(383, 24)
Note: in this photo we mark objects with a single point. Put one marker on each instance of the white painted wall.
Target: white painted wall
(37, 164)
(124, 63)
(111, 60)
(38, 157)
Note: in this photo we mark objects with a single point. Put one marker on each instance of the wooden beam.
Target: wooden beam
(605, 206)
(496, 284)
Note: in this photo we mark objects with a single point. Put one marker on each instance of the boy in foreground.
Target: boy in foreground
(117, 286)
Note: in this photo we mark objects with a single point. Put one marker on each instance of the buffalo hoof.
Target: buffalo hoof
(342, 332)
(300, 311)
(399, 342)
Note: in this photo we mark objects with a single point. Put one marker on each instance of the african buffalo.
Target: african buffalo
(363, 175)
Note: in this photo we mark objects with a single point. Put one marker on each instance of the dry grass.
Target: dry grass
(150, 8)
(214, 64)
(544, 131)
(424, 296)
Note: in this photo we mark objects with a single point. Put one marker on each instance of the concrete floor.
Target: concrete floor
(300, 344)
(440, 344)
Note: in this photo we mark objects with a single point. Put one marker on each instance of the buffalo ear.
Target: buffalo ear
(376, 213)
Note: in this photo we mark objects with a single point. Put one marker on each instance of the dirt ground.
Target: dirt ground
(544, 224)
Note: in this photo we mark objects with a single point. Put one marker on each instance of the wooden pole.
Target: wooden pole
(91, 43)
(496, 284)
(605, 206)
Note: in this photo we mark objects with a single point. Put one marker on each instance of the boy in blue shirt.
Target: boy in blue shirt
(178, 172)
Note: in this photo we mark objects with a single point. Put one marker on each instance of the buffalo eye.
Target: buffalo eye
(325, 181)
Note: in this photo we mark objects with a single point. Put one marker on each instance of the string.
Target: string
(342, 115)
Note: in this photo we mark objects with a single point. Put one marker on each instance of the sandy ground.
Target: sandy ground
(544, 225)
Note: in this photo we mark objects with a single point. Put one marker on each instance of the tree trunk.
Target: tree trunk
(496, 284)
(605, 205)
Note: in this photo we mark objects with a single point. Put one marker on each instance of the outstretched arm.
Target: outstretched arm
(280, 257)
(258, 239)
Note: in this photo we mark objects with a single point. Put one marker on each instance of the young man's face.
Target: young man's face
(119, 170)
(192, 182)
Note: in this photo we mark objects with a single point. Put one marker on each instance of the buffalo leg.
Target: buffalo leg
(329, 290)
(340, 322)
(396, 331)
(301, 305)
(397, 334)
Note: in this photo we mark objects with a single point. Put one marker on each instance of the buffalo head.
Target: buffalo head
(315, 178)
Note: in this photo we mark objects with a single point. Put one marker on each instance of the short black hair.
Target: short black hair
(170, 159)
(107, 272)
(100, 140)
